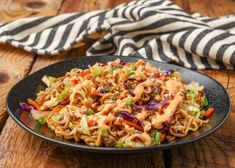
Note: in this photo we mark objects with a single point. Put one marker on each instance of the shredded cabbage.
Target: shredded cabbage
(84, 125)
(48, 80)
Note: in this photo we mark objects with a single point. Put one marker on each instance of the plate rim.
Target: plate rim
(113, 149)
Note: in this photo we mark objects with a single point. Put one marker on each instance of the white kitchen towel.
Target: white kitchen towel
(154, 29)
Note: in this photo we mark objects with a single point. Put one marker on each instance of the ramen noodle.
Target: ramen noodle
(120, 104)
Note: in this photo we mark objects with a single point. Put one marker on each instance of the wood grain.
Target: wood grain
(218, 149)
(213, 8)
(14, 9)
(31, 151)
(16, 63)
(89, 5)
(214, 151)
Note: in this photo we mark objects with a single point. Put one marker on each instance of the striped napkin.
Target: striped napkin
(154, 29)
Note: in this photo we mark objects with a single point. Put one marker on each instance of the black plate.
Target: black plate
(29, 86)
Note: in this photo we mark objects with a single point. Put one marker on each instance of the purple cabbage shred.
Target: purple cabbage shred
(152, 102)
(168, 72)
(153, 105)
(101, 91)
(25, 106)
(126, 116)
(122, 62)
(166, 126)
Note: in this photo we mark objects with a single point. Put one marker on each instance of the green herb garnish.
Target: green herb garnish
(132, 73)
(90, 111)
(97, 71)
(128, 101)
(111, 70)
(132, 66)
(204, 101)
(41, 120)
(103, 131)
(120, 145)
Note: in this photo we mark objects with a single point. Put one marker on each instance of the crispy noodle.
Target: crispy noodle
(121, 104)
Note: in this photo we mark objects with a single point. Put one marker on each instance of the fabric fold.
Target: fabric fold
(154, 29)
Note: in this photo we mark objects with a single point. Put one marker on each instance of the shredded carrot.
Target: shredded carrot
(200, 98)
(74, 82)
(163, 137)
(94, 92)
(85, 72)
(134, 125)
(91, 123)
(56, 109)
(34, 104)
(209, 113)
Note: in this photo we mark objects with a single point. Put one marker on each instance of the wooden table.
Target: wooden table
(19, 148)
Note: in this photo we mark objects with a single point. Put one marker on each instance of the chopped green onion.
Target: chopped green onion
(132, 73)
(111, 70)
(128, 101)
(41, 120)
(204, 101)
(63, 94)
(120, 145)
(90, 111)
(103, 131)
(188, 92)
(197, 114)
(97, 71)
(153, 133)
(157, 138)
(132, 66)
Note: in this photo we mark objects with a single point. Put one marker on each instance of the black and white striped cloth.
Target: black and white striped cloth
(155, 29)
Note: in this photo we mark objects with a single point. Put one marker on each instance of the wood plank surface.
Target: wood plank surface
(14, 9)
(18, 148)
(218, 149)
(16, 63)
(89, 5)
(214, 8)
(44, 154)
